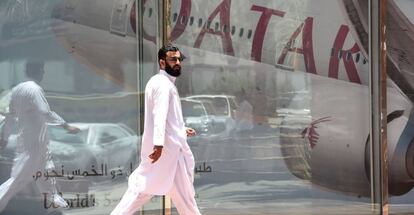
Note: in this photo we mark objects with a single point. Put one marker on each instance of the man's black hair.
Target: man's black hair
(34, 68)
(162, 53)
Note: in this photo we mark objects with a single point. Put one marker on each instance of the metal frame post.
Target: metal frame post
(164, 27)
(378, 92)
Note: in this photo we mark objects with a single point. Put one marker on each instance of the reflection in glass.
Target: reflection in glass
(288, 107)
(60, 135)
(399, 93)
(91, 79)
(299, 65)
(30, 111)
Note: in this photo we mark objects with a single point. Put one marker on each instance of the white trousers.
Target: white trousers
(24, 168)
(183, 200)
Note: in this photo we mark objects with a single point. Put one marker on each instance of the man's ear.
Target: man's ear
(162, 63)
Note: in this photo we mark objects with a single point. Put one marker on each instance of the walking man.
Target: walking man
(167, 163)
(30, 110)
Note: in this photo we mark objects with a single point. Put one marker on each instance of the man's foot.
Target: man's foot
(59, 201)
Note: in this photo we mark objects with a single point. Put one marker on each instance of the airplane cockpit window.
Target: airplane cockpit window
(200, 22)
(332, 52)
(150, 13)
(233, 30)
(175, 17)
(225, 28)
(208, 24)
(348, 56)
(340, 52)
(241, 32)
(191, 20)
(183, 19)
(217, 26)
(249, 34)
(357, 57)
(364, 61)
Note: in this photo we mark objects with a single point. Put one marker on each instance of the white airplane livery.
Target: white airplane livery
(294, 34)
(276, 38)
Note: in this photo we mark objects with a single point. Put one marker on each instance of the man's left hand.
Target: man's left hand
(190, 132)
(156, 154)
(72, 129)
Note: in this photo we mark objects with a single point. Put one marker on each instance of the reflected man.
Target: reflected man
(167, 163)
(30, 110)
(244, 116)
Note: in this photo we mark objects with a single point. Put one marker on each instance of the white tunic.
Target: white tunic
(29, 108)
(164, 126)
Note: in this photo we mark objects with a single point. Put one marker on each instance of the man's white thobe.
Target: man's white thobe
(29, 108)
(173, 172)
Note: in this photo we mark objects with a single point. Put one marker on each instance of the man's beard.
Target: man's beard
(173, 71)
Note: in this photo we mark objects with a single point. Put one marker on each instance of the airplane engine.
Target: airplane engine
(400, 153)
(329, 146)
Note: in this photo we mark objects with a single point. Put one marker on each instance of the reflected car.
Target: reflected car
(224, 107)
(112, 145)
(198, 115)
(99, 152)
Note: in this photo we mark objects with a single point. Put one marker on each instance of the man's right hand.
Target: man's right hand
(71, 129)
(156, 154)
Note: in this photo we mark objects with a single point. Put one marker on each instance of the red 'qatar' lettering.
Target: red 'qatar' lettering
(145, 35)
(182, 19)
(260, 31)
(307, 46)
(340, 53)
(224, 11)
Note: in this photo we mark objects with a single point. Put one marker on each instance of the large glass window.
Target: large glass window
(399, 105)
(88, 52)
(277, 90)
(291, 104)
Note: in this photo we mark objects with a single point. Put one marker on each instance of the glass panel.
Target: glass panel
(148, 66)
(399, 88)
(277, 91)
(400, 93)
(87, 53)
(289, 107)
